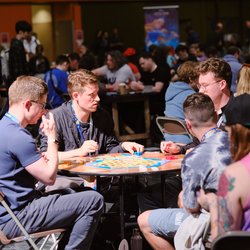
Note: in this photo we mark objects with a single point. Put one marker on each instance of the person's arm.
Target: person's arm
(100, 71)
(170, 147)
(229, 202)
(209, 202)
(157, 87)
(87, 147)
(45, 170)
(132, 147)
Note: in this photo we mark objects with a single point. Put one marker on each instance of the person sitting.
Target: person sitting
(83, 128)
(243, 81)
(214, 80)
(39, 63)
(57, 81)
(176, 94)
(200, 168)
(22, 165)
(230, 208)
(115, 71)
(130, 54)
(74, 60)
(232, 58)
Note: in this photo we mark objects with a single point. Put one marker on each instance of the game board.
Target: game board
(125, 161)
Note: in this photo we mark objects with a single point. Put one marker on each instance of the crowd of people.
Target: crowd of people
(210, 93)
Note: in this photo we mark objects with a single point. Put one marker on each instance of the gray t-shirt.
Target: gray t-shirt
(123, 74)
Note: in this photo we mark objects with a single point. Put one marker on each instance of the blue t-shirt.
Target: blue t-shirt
(17, 150)
(202, 167)
(60, 79)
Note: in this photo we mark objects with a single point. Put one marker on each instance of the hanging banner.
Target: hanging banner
(161, 25)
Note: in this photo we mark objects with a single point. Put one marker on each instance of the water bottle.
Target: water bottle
(136, 240)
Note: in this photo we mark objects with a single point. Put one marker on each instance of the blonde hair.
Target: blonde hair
(27, 87)
(80, 78)
(243, 82)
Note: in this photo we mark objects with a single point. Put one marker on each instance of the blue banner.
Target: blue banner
(161, 25)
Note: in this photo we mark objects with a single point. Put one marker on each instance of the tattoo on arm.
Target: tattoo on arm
(225, 219)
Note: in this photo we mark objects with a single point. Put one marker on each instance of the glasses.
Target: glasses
(43, 105)
(205, 86)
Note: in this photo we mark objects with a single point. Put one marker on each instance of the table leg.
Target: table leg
(147, 120)
(116, 119)
(163, 190)
(98, 183)
(122, 225)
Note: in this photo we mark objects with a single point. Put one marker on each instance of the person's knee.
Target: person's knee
(142, 220)
(94, 199)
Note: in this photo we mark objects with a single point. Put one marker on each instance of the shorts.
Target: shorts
(164, 222)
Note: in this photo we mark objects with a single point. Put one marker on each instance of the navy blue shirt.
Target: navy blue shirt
(17, 150)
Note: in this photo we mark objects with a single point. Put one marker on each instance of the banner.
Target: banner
(161, 25)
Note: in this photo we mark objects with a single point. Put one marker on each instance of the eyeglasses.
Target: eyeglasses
(43, 105)
(205, 86)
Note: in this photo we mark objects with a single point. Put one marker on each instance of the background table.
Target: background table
(81, 169)
(114, 99)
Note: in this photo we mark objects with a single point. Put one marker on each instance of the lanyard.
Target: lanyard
(12, 117)
(78, 125)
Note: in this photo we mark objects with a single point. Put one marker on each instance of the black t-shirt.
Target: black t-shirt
(157, 102)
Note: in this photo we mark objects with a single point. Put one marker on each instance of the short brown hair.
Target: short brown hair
(78, 79)
(220, 68)
(199, 109)
(187, 72)
(27, 87)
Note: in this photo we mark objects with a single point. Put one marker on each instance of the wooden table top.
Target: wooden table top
(78, 166)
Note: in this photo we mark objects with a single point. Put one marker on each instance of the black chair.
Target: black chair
(172, 125)
(32, 239)
(232, 240)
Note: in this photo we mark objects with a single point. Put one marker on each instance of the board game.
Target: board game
(125, 161)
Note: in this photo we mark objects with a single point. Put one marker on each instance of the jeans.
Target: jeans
(78, 212)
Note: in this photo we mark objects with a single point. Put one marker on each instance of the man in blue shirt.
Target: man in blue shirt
(57, 81)
(22, 165)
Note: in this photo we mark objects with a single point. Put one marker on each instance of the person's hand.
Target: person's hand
(48, 126)
(89, 146)
(132, 147)
(112, 87)
(206, 200)
(170, 147)
(180, 200)
(137, 86)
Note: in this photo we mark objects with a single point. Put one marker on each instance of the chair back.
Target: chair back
(172, 125)
(232, 240)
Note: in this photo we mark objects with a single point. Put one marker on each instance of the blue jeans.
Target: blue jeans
(79, 213)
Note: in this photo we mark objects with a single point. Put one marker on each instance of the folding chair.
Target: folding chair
(34, 238)
(172, 125)
(232, 240)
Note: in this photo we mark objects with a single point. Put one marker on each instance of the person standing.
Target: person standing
(18, 64)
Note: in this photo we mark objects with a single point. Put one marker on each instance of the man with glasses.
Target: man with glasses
(22, 165)
(215, 78)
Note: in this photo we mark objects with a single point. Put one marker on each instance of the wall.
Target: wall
(55, 23)
(128, 17)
